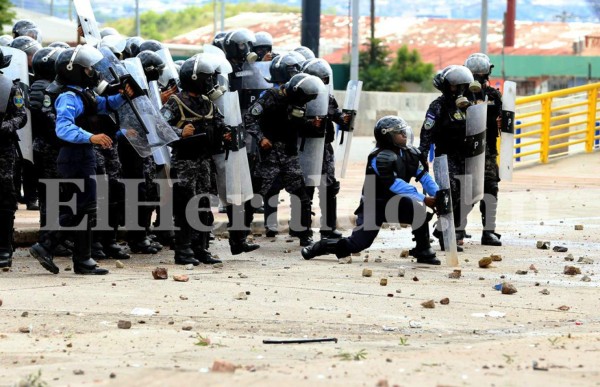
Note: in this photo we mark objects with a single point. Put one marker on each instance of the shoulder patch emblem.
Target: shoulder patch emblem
(167, 115)
(429, 122)
(256, 110)
(18, 99)
(47, 101)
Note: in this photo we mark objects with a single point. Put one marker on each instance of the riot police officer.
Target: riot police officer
(481, 67)
(445, 127)
(387, 195)
(274, 121)
(12, 117)
(263, 47)
(201, 128)
(76, 106)
(26, 27)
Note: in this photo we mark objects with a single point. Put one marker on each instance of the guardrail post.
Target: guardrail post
(518, 140)
(591, 120)
(545, 135)
(596, 134)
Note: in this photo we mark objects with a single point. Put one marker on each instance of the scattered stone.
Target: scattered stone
(390, 294)
(383, 282)
(189, 266)
(112, 375)
(160, 273)
(186, 328)
(416, 279)
(585, 261)
(124, 324)
(521, 272)
(181, 278)
(5, 269)
(445, 301)
(183, 298)
(414, 324)
(241, 296)
(398, 291)
(287, 251)
(560, 249)
(496, 257)
(25, 314)
(543, 245)
(378, 260)
(585, 278)
(78, 372)
(401, 272)
(545, 292)
(216, 265)
(456, 273)
(564, 308)
(68, 268)
(356, 254)
(349, 315)
(428, 304)
(367, 272)
(578, 227)
(223, 366)
(571, 270)
(508, 288)
(345, 260)
(119, 264)
(404, 254)
(366, 260)
(24, 330)
(242, 275)
(533, 268)
(382, 383)
(485, 262)
(569, 258)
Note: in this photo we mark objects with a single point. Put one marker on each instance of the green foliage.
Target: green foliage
(202, 341)
(379, 74)
(347, 356)
(164, 26)
(33, 380)
(6, 14)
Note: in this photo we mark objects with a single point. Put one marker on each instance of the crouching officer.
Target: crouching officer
(12, 117)
(390, 167)
(201, 127)
(76, 108)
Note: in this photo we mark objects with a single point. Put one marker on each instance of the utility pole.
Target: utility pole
(311, 24)
(138, 27)
(355, 42)
(484, 29)
(372, 31)
(222, 15)
(214, 17)
(51, 7)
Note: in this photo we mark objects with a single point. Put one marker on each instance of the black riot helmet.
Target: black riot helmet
(5, 40)
(151, 45)
(26, 44)
(219, 39)
(74, 66)
(43, 62)
(4, 60)
(263, 44)
(306, 52)
(285, 66)
(115, 43)
(238, 46)
(108, 31)
(152, 63)
(319, 68)
(387, 129)
(455, 81)
(59, 44)
(303, 88)
(481, 67)
(25, 27)
(199, 74)
(132, 46)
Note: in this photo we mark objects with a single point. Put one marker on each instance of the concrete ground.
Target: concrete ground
(63, 329)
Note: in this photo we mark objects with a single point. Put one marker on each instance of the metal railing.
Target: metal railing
(557, 123)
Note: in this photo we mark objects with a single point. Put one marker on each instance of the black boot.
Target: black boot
(184, 255)
(488, 219)
(200, 248)
(111, 248)
(322, 247)
(237, 238)
(490, 238)
(439, 235)
(328, 202)
(82, 250)
(423, 251)
(7, 222)
(305, 216)
(97, 248)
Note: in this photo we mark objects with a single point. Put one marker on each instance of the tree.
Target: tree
(6, 13)
(379, 73)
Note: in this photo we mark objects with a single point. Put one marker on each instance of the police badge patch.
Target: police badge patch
(47, 101)
(256, 109)
(429, 121)
(18, 99)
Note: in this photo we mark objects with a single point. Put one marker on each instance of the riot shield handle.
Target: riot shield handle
(122, 82)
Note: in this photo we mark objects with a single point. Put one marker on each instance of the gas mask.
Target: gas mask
(459, 96)
(477, 85)
(251, 57)
(91, 77)
(216, 92)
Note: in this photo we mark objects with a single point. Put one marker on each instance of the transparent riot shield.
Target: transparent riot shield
(311, 143)
(507, 139)
(343, 137)
(161, 154)
(169, 76)
(443, 202)
(253, 83)
(475, 153)
(86, 17)
(18, 70)
(238, 183)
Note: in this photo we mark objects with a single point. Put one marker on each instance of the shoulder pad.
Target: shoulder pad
(414, 150)
(387, 155)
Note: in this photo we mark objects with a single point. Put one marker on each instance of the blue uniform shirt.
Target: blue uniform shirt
(69, 106)
(401, 187)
